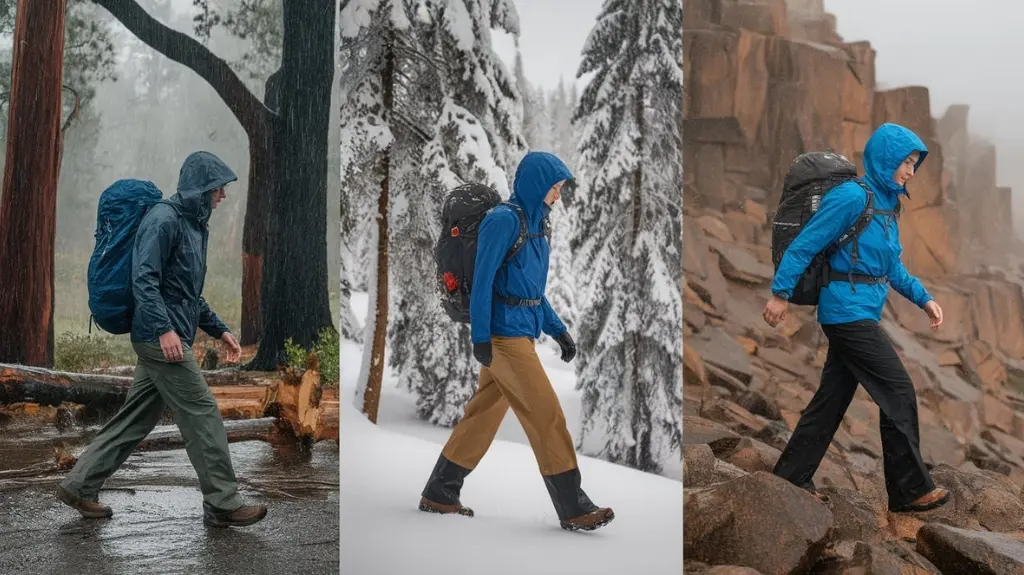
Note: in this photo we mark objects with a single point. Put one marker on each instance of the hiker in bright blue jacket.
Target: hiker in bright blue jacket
(849, 311)
(168, 274)
(508, 312)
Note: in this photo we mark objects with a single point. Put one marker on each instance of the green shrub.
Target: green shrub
(327, 350)
(79, 352)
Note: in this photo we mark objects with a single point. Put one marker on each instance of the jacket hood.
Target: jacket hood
(885, 151)
(537, 172)
(201, 172)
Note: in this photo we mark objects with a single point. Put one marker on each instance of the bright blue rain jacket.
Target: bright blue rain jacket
(879, 250)
(526, 275)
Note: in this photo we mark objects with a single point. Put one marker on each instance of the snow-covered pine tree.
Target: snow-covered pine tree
(477, 136)
(374, 145)
(628, 256)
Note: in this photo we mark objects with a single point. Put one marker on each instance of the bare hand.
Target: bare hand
(170, 343)
(934, 312)
(234, 350)
(775, 311)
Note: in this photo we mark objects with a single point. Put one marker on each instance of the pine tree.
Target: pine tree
(477, 136)
(627, 237)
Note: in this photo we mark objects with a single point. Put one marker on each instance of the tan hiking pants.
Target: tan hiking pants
(516, 378)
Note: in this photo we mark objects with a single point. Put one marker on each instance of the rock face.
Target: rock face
(757, 521)
(954, 550)
(762, 89)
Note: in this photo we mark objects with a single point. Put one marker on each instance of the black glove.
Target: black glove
(482, 353)
(568, 346)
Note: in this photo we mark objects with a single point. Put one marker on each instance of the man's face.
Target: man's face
(217, 196)
(554, 194)
(906, 169)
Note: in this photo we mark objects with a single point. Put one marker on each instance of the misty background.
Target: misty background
(141, 115)
(965, 53)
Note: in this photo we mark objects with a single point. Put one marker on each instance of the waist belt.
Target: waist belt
(517, 302)
(834, 276)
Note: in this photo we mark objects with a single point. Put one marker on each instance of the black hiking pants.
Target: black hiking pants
(861, 352)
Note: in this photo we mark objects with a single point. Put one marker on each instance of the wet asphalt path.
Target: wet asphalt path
(157, 525)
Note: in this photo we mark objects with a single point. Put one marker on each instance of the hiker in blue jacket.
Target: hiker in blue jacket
(168, 273)
(849, 311)
(508, 312)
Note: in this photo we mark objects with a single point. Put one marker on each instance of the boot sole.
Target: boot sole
(222, 523)
(65, 497)
(591, 527)
(464, 511)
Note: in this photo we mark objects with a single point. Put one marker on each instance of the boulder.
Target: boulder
(888, 558)
(702, 469)
(721, 350)
(740, 265)
(698, 431)
(954, 550)
(758, 521)
(977, 500)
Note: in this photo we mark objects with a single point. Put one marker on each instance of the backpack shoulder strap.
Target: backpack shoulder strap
(523, 232)
(858, 226)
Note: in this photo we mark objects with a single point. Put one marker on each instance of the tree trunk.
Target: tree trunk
(20, 383)
(28, 207)
(371, 396)
(262, 187)
(294, 296)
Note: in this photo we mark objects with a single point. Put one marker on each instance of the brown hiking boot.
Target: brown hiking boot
(591, 521)
(241, 517)
(88, 509)
(434, 507)
(933, 499)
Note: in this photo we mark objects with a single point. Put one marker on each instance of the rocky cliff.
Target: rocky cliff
(767, 80)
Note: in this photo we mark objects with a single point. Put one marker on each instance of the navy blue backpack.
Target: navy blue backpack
(121, 209)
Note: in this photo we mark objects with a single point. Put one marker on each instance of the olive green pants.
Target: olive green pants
(159, 383)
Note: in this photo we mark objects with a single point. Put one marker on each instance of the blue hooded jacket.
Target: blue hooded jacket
(880, 248)
(169, 257)
(526, 275)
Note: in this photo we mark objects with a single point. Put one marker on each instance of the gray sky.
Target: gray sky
(551, 38)
(964, 52)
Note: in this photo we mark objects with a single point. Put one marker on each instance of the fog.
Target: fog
(964, 52)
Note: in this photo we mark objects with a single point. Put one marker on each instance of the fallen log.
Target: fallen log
(19, 383)
(262, 429)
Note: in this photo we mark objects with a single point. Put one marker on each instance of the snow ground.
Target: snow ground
(515, 530)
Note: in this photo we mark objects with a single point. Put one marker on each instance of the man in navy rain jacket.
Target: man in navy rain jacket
(508, 312)
(168, 274)
(849, 314)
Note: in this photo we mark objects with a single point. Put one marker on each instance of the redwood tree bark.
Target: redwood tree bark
(294, 297)
(28, 207)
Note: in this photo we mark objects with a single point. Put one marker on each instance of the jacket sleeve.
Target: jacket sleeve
(553, 325)
(497, 234)
(907, 285)
(153, 244)
(209, 322)
(839, 210)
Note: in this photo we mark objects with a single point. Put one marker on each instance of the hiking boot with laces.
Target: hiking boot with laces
(241, 517)
(88, 508)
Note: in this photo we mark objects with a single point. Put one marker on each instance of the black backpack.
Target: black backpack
(810, 177)
(464, 209)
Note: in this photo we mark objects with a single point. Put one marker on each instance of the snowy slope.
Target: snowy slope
(515, 531)
(398, 407)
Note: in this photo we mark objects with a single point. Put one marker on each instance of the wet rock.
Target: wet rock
(697, 431)
(887, 558)
(983, 368)
(719, 349)
(757, 403)
(702, 469)
(997, 310)
(751, 455)
(722, 378)
(956, 311)
(758, 521)
(714, 227)
(857, 518)
(734, 416)
(955, 550)
(695, 250)
(995, 413)
(977, 501)
(741, 266)
(693, 367)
